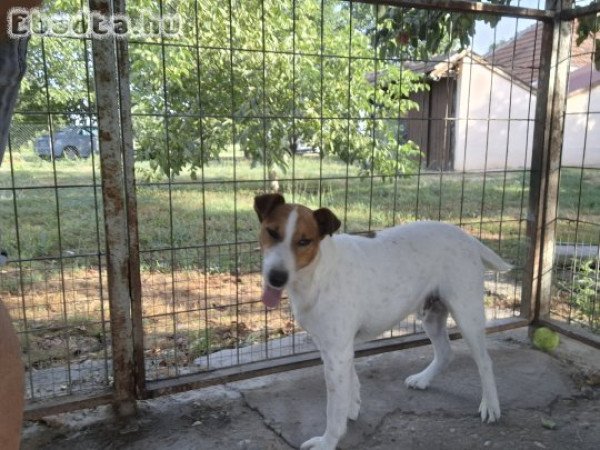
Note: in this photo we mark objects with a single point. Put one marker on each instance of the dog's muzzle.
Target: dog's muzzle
(278, 278)
(273, 287)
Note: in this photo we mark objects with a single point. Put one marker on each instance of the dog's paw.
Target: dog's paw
(417, 381)
(318, 443)
(354, 409)
(490, 411)
(354, 404)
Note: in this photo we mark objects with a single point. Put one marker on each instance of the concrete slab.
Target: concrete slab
(546, 404)
(213, 418)
(295, 405)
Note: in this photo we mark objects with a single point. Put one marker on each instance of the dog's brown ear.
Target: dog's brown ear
(266, 203)
(328, 223)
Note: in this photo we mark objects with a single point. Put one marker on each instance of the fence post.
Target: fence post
(135, 283)
(112, 136)
(545, 163)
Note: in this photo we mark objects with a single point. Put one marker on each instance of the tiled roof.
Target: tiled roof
(518, 60)
(449, 65)
(438, 66)
(520, 57)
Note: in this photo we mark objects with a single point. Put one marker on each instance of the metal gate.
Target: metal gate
(158, 288)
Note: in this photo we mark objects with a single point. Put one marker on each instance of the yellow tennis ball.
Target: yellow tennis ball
(545, 339)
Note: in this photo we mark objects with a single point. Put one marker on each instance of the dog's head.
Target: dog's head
(290, 235)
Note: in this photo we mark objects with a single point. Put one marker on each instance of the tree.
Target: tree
(59, 71)
(263, 76)
(298, 73)
(418, 33)
(588, 27)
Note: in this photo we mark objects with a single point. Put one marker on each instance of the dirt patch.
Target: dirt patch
(187, 314)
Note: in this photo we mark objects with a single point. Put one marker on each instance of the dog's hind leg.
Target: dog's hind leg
(434, 318)
(469, 314)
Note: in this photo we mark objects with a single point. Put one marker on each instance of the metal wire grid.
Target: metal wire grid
(201, 291)
(422, 195)
(576, 277)
(53, 229)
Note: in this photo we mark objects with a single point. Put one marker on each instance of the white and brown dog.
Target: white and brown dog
(345, 289)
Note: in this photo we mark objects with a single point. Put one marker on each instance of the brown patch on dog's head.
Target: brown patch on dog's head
(310, 227)
(272, 212)
(266, 203)
(327, 221)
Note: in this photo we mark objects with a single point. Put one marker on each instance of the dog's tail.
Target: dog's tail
(491, 260)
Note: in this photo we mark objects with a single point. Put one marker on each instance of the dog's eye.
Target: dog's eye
(304, 242)
(274, 234)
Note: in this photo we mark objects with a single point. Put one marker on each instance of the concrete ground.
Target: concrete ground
(548, 401)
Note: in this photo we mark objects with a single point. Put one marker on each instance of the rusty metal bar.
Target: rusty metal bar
(466, 6)
(545, 166)
(304, 360)
(38, 410)
(135, 283)
(115, 215)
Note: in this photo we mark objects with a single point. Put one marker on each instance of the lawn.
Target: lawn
(216, 208)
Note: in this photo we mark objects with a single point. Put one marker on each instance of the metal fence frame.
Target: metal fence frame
(120, 210)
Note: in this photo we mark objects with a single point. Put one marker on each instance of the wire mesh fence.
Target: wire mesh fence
(576, 294)
(332, 103)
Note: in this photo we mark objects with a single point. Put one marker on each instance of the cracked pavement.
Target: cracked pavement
(547, 401)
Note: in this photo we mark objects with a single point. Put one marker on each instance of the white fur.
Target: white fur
(279, 257)
(358, 287)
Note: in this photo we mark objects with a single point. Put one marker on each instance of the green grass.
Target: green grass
(215, 209)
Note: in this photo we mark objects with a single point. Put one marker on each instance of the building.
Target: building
(479, 112)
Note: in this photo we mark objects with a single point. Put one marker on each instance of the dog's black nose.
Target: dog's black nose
(278, 278)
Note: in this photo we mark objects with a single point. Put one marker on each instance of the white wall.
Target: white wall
(495, 123)
(581, 146)
(507, 136)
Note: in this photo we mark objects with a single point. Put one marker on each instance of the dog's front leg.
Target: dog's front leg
(355, 396)
(338, 378)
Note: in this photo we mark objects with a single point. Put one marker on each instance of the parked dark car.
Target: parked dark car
(69, 142)
(302, 149)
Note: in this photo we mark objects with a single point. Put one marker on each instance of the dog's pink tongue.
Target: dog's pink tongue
(271, 297)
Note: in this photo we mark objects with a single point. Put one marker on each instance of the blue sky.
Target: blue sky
(507, 27)
(505, 30)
